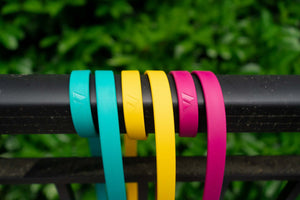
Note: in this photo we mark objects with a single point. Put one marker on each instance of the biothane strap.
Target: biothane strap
(110, 135)
(79, 95)
(134, 120)
(216, 134)
(164, 134)
(187, 103)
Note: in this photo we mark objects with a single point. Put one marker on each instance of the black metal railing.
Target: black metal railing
(39, 104)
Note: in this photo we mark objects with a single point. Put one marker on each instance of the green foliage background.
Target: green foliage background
(227, 37)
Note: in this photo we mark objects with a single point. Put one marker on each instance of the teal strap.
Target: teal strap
(79, 92)
(110, 135)
(82, 117)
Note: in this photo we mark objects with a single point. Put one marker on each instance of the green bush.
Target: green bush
(227, 37)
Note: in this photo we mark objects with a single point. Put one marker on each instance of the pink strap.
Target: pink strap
(216, 134)
(187, 103)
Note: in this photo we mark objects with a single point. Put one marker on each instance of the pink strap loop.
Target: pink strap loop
(187, 103)
(216, 134)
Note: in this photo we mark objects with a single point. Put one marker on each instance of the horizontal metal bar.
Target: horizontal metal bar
(40, 103)
(89, 170)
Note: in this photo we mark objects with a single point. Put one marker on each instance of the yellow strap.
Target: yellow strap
(131, 151)
(130, 146)
(134, 119)
(133, 105)
(164, 135)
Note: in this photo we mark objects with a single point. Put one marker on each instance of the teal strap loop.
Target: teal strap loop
(110, 135)
(80, 103)
(82, 117)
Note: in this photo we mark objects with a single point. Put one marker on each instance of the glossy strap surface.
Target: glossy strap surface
(134, 119)
(80, 107)
(133, 105)
(187, 103)
(79, 93)
(164, 134)
(110, 135)
(216, 134)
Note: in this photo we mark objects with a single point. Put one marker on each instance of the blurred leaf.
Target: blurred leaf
(120, 8)
(33, 6)
(77, 2)
(12, 144)
(120, 60)
(68, 42)
(48, 41)
(9, 41)
(10, 8)
(212, 53)
(251, 68)
(50, 191)
(25, 66)
(54, 7)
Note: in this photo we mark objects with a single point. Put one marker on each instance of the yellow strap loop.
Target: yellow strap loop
(134, 120)
(133, 105)
(164, 134)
